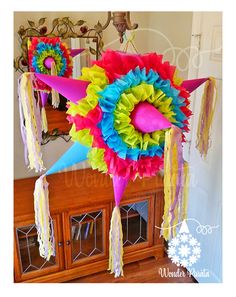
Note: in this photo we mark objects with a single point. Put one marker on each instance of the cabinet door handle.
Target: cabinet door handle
(68, 242)
(60, 243)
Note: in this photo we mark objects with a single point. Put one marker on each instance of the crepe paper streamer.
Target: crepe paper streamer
(116, 233)
(55, 95)
(193, 84)
(76, 51)
(205, 120)
(30, 122)
(176, 178)
(156, 121)
(73, 89)
(185, 192)
(44, 120)
(116, 244)
(43, 220)
(44, 97)
(75, 154)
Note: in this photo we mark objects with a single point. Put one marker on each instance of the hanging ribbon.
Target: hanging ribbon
(30, 122)
(55, 95)
(116, 233)
(208, 106)
(44, 98)
(43, 220)
(176, 179)
(44, 225)
(130, 41)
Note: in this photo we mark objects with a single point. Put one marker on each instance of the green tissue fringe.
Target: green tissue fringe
(98, 81)
(126, 104)
(96, 159)
(82, 136)
(49, 53)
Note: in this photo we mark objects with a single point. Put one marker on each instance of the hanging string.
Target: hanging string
(130, 42)
(43, 220)
(30, 122)
(208, 106)
(176, 179)
(116, 244)
(55, 95)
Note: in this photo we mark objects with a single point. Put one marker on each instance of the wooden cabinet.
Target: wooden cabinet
(81, 204)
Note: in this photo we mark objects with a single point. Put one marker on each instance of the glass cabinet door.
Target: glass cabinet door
(137, 223)
(30, 263)
(87, 236)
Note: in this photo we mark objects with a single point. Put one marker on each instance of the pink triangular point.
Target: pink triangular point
(192, 84)
(76, 51)
(119, 186)
(146, 118)
(72, 89)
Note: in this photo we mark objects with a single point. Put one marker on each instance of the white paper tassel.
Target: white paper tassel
(43, 220)
(116, 244)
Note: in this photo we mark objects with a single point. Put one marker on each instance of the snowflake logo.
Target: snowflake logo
(184, 250)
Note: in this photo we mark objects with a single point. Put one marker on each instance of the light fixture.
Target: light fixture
(121, 20)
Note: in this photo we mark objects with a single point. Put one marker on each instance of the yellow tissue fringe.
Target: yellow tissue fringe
(98, 81)
(170, 182)
(126, 104)
(44, 120)
(174, 174)
(177, 80)
(116, 227)
(169, 177)
(185, 192)
(208, 106)
(43, 219)
(83, 136)
(32, 140)
(55, 95)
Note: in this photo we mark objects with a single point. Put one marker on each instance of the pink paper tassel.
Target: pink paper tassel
(208, 106)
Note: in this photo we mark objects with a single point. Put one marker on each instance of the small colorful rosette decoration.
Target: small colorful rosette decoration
(121, 85)
(42, 52)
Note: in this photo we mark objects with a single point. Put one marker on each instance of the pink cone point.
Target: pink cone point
(119, 186)
(146, 118)
(72, 89)
(44, 97)
(48, 62)
(76, 51)
(192, 84)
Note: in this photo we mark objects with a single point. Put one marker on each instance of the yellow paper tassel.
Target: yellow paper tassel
(55, 95)
(43, 220)
(30, 121)
(116, 244)
(208, 105)
(176, 178)
(169, 175)
(44, 120)
(185, 192)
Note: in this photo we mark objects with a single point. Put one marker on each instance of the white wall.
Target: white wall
(174, 27)
(205, 193)
(170, 35)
